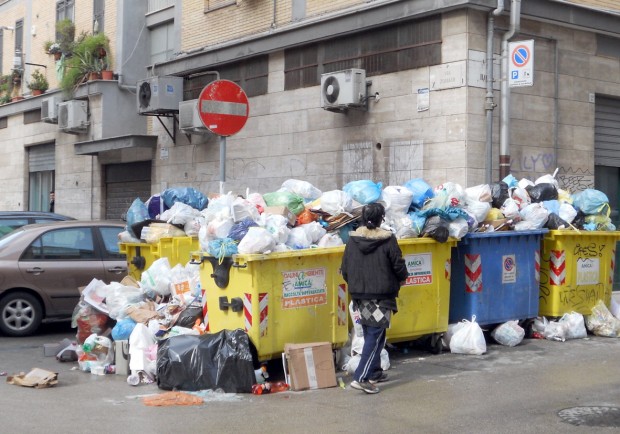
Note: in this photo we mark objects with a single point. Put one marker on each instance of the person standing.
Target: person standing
(374, 268)
(52, 200)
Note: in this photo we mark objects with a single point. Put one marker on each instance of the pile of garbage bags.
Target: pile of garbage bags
(300, 216)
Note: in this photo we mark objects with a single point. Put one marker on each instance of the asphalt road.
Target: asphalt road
(539, 386)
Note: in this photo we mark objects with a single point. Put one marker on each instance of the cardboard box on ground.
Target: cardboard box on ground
(309, 365)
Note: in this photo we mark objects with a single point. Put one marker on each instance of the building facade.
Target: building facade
(433, 105)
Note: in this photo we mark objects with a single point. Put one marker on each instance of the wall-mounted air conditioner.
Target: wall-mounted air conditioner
(73, 116)
(159, 95)
(343, 89)
(49, 109)
(189, 118)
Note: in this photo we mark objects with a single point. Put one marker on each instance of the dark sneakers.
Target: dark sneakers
(366, 386)
(383, 377)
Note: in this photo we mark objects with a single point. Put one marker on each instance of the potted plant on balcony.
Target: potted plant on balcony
(38, 83)
(65, 33)
(53, 48)
(5, 89)
(16, 84)
(90, 58)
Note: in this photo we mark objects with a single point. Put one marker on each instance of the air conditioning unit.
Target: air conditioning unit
(343, 89)
(189, 118)
(73, 116)
(159, 95)
(49, 109)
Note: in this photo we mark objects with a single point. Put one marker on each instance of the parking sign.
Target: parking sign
(521, 63)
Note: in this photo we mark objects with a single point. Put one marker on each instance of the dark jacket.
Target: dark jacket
(373, 264)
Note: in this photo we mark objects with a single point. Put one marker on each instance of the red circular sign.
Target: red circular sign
(223, 107)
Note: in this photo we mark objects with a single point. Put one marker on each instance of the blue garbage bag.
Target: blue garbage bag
(123, 328)
(240, 229)
(137, 212)
(591, 201)
(364, 191)
(187, 195)
(421, 191)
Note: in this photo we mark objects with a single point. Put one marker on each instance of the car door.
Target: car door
(60, 261)
(114, 262)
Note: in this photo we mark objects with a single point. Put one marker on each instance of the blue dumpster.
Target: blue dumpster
(495, 276)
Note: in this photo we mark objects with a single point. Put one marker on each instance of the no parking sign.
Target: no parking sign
(521, 63)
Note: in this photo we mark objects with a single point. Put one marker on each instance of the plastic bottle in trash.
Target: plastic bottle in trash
(259, 389)
(261, 374)
(133, 379)
(277, 386)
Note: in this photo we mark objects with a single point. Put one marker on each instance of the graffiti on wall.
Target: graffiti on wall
(533, 163)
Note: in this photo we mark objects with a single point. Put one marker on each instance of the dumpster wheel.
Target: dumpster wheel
(436, 343)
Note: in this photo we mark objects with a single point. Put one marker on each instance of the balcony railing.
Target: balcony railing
(156, 5)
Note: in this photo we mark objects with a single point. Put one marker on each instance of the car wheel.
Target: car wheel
(20, 314)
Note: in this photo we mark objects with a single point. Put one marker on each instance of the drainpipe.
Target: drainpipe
(504, 140)
(489, 104)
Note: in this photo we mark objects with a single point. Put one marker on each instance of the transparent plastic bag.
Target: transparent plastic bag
(468, 339)
(257, 240)
(509, 333)
(575, 325)
(156, 278)
(301, 188)
(601, 322)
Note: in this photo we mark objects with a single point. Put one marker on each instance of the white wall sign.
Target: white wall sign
(521, 63)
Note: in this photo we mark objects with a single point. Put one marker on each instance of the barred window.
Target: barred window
(250, 74)
(388, 49)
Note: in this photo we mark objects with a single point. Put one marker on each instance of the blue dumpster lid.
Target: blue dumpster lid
(497, 234)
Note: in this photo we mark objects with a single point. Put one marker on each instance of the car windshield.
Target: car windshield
(8, 238)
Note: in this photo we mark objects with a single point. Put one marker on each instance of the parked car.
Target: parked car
(43, 265)
(11, 220)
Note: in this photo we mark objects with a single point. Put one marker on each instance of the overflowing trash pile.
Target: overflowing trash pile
(300, 216)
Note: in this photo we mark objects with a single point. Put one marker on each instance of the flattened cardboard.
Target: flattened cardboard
(37, 378)
(310, 365)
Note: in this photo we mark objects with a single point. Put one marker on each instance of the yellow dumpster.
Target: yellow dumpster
(140, 256)
(576, 270)
(300, 296)
(424, 300)
(277, 298)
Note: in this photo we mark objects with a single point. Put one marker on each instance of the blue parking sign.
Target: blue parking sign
(515, 75)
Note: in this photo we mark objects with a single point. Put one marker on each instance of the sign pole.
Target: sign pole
(222, 164)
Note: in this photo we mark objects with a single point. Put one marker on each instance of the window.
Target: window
(110, 242)
(98, 16)
(389, 49)
(1, 49)
(65, 244)
(8, 225)
(250, 74)
(19, 40)
(41, 168)
(217, 4)
(162, 42)
(64, 10)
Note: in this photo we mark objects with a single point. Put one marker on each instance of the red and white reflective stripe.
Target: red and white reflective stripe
(247, 311)
(473, 273)
(557, 267)
(263, 308)
(342, 304)
(537, 265)
(448, 268)
(613, 266)
(205, 313)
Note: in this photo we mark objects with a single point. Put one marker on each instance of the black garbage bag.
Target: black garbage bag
(541, 192)
(555, 222)
(188, 317)
(210, 361)
(499, 193)
(437, 228)
(579, 220)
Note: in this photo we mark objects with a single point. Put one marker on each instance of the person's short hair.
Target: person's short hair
(372, 215)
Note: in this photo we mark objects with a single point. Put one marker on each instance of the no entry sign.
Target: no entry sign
(223, 107)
